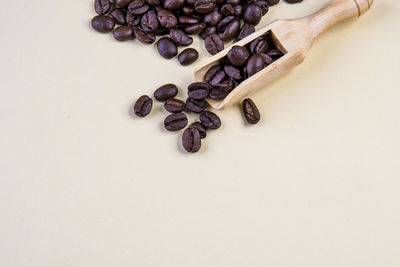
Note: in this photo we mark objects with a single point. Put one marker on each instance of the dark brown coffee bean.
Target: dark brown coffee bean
(214, 75)
(118, 16)
(233, 2)
(198, 90)
(173, 4)
(202, 130)
(238, 56)
(196, 106)
(210, 120)
(225, 86)
(103, 23)
(212, 18)
(260, 46)
(175, 122)
(255, 64)
(232, 72)
(154, 3)
(208, 31)
(237, 11)
(138, 7)
(267, 59)
(143, 106)
(264, 6)
(174, 105)
(180, 38)
(204, 6)
(188, 20)
(227, 10)
(167, 48)
(272, 2)
(102, 6)
(161, 31)
(274, 53)
(144, 37)
(167, 19)
(188, 56)
(132, 20)
(252, 14)
(195, 28)
(149, 21)
(213, 44)
(191, 140)
(246, 30)
(123, 33)
(123, 3)
(231, 31)
(224, 23)
(250, 111)
(217, 94)
(187, 10)
(165, 92)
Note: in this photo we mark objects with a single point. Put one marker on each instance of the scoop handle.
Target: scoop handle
(334, 12)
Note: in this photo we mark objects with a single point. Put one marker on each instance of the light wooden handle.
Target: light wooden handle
(336, 11)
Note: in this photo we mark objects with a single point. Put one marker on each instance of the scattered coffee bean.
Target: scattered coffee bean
(212, 18)
(231, 31)
(250, 111)
(196, 106)
(246, 30)
(165, 92)
(195, 28)
(143, 36)
(103, 24)
(180, 38)
(123, 33)
(210, 120)
(204, 6)
(138, 7)
(143, 106)
(252, 14)
(175, 122)
(123, 3)
(232, 72)
(191, 140)
(102, 6)
(200, 128)
(174, 105)
(166, 18)
(214, 44)
(188, 56)
(238, 55)
(254, 64)
(149, 21)
(167, 48)
(198, 90)
(118, 16)
(173, 4)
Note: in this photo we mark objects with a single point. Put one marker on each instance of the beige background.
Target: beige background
(82, 183)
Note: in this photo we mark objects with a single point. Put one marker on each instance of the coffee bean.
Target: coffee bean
(122, 3)
(143, 36)
(174, 105)
(123, 33)
(143, 106)
(138, 7)
(250, 111)
(180, 38)
(204, 6)
(274, 53)
(154, 3)
(210, 120)
(167, 48)
(238, 56)
(217, 94)
(103, 23)
(267, 59)
(231, 31)
(118, 16)
(225, 86)
(188, 56)
(187, 10)
(212, 18)
(252, 14)
(264, 6)
(255, 64)
(165, 92)
(102, 6)
(227, 10)
(198, 90)
(173, 4)
(133, 20)
(196, 106)
(149, 21)
(167, 19)
(208, 31)
(202, 130)
(224, 23)
(272, 2)
(237, 11)
(188, 20)
(246, 30)
(191, 140)
(195, 28)
(233, 2)
(232, 72)
(175, 122)
(213, 44)
(214, 75)
(259, 45)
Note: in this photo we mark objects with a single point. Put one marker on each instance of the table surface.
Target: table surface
(83, 183)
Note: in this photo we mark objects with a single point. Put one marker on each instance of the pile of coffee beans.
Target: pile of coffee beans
(241, 63)
(215, 21)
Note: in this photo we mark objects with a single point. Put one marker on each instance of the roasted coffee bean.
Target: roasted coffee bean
(173, 4)
(167, 19)
(267, 59)
(255, 64)
(175, 122)
(225, 86)
(224, 23)
(123, 3)
(103, 23)
(161, 31)
(138, 7)
(252, 14)
(143, 106)
(214, 75)
(195, 28)
(132, 20)
(238, 56)
(188, 10)
(194, 105)
(154, 3)
(208, 31)
(233, 2)
(210, 120)
(191, 140)
(259, 45)
(149, 21)
(188, 20)
(272, 2)
(198, 90)
(227, 10)
(202, 130)
(174, 105)
(237, 11)
(233, 72)
(213, 44)
(180, 38)
(167, 48)
(143, 36)
(188, 56)
(123, 33)
(212, 18)
(274, 53)
(231, 31)
(264, 6)
(293, 1)
(217, 94)
(246, 30)
(165, 92)
(250, 111)
(204, 6)
(118, 16)
(102, 6)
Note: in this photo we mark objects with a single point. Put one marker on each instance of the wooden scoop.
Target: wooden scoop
(293, 37)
